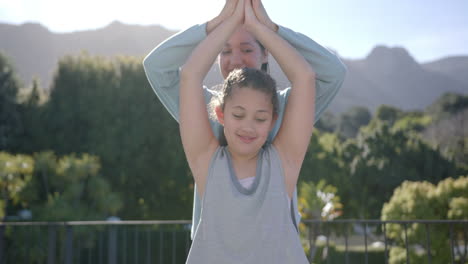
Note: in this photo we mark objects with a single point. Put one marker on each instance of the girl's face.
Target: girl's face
(241, 50)
(247, 119)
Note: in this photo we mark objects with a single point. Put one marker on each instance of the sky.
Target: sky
(428, 29)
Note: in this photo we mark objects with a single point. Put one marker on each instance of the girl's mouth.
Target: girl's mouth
(247, 139)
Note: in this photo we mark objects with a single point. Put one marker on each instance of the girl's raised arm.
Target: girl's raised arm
(198, 139)
(296, 129)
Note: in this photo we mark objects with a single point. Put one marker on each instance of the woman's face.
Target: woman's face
(242, 50)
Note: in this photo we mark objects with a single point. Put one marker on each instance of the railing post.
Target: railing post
(386, 242)
(406, 244)
(428, 236)
(2, 243)
(52, 244)
(148, 246)
(346, 246)
(112, 248)
(161, 243)
(69, 245)
(366, 257)
(173, 247)
(452, 246)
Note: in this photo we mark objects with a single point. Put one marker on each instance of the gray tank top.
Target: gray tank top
(239, 225)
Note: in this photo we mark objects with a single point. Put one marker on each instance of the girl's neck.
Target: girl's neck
(241, 159)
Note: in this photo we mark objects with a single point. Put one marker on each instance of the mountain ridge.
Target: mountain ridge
(387, 75)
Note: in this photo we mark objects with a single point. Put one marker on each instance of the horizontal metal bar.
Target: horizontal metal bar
(175, 222)
(79, 223)
(373, 221)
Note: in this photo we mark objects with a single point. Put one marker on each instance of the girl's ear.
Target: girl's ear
(220, 115)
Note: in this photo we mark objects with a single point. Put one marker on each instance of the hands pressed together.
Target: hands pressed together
(250, 13)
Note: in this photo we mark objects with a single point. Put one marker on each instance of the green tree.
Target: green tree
(388, 114)
(424, 200)
(56, 189)
(381, 159)
(15, 173)
(447, 105)
(107, 108)
(10, 119)
(317, 202)
(351, 121)
(69, 188)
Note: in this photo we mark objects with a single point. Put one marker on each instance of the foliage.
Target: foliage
(10, 122)
(423, 200)
(317, 201)
(448, 105)
(450, 135)
(69, 188)
(380, 160)
(107, 108)
(351, 121)
(55, 189)
(337, 255)
(15, 173)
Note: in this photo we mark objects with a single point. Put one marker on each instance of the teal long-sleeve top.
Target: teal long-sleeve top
(163, 63)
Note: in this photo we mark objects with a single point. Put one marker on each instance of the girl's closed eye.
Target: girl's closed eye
(247, 50)
(238, 116)
(261, 120)
(226, 52)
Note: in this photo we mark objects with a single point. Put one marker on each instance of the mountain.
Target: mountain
(35, 50)
(391, 76)
(388, 75)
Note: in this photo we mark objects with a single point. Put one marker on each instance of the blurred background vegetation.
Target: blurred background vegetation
(102, 125)
(100, 144)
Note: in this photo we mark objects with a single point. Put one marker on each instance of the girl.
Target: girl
(238, 224)
(241, 50)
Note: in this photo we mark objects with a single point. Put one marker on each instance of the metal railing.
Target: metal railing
(338, 241)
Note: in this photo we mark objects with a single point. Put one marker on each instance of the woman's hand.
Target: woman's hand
(251, 21)
(262, 16)
(228, 10)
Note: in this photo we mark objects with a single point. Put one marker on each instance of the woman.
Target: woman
(241, 50)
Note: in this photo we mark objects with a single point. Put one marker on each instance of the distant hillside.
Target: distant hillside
(35, 50)
(386, 76)
(391, 76)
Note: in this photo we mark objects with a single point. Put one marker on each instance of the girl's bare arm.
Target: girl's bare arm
(295, 132)
(198, 139)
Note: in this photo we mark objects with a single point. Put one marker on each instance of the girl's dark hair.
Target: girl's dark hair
(244, 78)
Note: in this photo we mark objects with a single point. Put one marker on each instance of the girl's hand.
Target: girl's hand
(238, 14)
(262, 15)
(251, 21)
(228, 10)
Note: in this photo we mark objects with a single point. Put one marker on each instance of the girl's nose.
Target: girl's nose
(248, 127)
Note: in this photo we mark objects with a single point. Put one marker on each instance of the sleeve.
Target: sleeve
(162, 65)
(330, 71)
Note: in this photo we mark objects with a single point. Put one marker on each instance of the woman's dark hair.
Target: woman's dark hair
(264, 65)
(244, 78)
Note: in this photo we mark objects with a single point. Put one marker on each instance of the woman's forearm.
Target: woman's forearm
(290, 60)
(203, 56)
